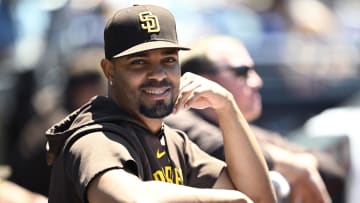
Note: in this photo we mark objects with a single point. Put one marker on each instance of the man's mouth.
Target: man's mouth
(157, 93)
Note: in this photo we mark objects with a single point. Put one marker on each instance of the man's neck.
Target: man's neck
(153, 124)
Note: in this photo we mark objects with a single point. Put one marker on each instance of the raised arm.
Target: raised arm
(246, 165)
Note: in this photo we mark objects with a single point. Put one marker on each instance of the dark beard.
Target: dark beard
(160, 110)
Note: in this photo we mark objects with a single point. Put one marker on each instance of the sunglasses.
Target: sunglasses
(241, 71)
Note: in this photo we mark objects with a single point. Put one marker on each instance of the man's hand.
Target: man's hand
(306, 183)
(198, 92)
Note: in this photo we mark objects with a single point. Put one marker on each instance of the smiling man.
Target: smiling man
(118, 149)
(154, 95)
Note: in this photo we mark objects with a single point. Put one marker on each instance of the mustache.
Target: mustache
(154, 83)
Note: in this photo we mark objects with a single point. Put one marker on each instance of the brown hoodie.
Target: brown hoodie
(99, 136)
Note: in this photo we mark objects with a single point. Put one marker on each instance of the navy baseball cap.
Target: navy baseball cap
(140, 28)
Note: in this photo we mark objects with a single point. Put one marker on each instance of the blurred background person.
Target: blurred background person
(329, 125)
(226, 61)
(27, 158)
(50, 69)
(9, 191)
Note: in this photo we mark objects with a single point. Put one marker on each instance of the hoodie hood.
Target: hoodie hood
(88, 118)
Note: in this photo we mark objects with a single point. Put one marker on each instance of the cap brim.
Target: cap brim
(149, 46)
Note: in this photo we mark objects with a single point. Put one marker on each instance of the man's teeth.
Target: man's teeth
(155, 91)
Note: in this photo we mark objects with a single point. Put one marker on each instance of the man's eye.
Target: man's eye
(138, 62)
(171, 60)
(241, 71)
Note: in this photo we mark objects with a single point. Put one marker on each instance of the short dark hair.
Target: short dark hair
(198, 64)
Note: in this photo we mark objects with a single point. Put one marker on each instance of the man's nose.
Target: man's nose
(254, 80)
(157, 72)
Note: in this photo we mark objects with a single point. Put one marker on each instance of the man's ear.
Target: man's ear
(108, 69)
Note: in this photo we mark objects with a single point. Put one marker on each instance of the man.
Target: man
(117, 148)
(226, 61)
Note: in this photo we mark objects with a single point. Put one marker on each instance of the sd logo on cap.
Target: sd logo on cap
(140, 28)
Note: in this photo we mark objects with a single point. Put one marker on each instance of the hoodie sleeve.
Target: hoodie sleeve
(95, 153)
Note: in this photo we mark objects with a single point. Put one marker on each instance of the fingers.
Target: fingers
(187, 87)
(191, 94)
(199, 92)
(308, 191)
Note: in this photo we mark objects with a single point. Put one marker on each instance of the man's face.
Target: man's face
(245, 88)
(147, 83)
(236, 74)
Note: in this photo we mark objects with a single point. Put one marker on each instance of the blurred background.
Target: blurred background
(306, 51)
